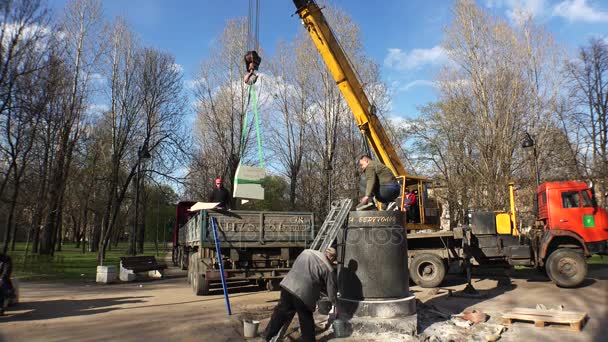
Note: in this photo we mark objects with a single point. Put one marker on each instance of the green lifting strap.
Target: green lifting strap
(254, 97)
(248, 181)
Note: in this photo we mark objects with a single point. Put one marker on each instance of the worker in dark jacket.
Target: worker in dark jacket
(380, 183)
(6, 287)
(311, 273)
(221, 194)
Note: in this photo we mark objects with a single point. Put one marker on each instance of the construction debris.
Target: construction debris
(496, 336)
(459, 322)
(473, 316)
(542, 307)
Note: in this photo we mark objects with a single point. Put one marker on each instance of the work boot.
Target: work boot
(391, 206)
(365, 206)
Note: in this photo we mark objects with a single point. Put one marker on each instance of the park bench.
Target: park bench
(129, 266)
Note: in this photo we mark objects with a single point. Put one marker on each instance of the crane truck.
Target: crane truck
(570, 226)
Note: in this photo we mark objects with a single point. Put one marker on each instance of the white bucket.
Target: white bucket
(250, 328)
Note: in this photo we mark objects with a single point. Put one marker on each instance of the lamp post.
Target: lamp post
(142, 153)
(527, 143)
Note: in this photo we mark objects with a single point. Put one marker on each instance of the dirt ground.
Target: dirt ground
(166, 310)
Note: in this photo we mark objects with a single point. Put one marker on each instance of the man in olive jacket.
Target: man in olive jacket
(311, 273)
(380, 183)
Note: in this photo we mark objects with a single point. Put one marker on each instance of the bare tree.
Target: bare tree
(22, 32)
(500, 84)
(292, 101)
(81, 29)
(587, 122)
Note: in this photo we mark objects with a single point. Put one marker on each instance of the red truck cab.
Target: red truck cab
(570, 209)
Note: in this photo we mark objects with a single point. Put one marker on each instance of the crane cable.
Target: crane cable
(253, 34)
(253, 26)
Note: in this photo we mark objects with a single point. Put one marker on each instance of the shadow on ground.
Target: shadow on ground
(62, 308)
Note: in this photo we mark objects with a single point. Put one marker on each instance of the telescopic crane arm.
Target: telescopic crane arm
(349, 84)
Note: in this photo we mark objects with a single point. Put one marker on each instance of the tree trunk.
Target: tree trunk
(141, 227)
(59, 237)
(95, 234)
(10, 222)
(293, 184)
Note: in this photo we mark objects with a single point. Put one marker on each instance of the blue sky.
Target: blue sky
(402, 36)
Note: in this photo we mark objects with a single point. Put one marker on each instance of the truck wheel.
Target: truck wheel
(174, 256)
(183, 260)
(427, 270)
(272, 284)
(566, 267)
(191, 270)
(200, 286)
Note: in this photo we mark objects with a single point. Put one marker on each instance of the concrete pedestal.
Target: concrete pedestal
(126, 274)
(366, 326)
(386, 308)
(106, 274)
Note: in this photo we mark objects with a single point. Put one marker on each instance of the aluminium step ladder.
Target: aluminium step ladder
(333, 222)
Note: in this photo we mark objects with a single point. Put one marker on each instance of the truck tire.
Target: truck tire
(174, 256)
(200, 286)
(427, 270)
(191, 270)
(272, 284)
(183, 260)
(566, 267)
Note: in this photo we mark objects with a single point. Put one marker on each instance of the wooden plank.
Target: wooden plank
(552, 318)
(537, 311)
(541, 318)
(555, 316)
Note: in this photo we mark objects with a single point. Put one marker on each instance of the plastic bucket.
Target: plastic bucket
(340, 328)
(250, 328)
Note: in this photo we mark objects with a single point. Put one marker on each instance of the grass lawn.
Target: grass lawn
(70, 264)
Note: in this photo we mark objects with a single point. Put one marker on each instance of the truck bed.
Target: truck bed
(242, 229)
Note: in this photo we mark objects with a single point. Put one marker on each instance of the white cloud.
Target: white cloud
(579, 10)
(98, 108)
(400, 122)
(403, 60)
(516, 10)
(192, 84)
(418, 83)
(98, 78)
(178, 67)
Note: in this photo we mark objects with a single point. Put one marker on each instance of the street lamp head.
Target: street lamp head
(528, 141)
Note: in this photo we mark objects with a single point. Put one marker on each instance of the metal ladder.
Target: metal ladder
(333, 222)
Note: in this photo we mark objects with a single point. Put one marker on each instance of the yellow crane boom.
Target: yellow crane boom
(349, 84)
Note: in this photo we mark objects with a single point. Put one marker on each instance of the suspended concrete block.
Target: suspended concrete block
(248, 182)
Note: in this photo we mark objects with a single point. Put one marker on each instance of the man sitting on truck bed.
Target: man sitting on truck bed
(312, 272)
(380, 183)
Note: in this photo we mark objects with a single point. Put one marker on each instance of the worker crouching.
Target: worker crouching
(311, 273)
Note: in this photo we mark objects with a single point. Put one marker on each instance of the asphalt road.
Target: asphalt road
(166, 310)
